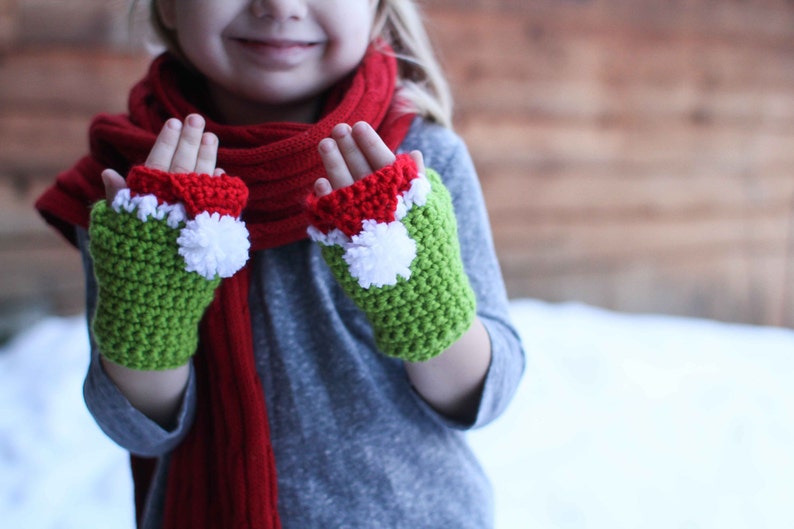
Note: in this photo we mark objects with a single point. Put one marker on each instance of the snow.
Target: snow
(621, 421)
(57, 469)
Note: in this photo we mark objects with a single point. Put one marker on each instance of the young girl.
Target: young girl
(295, 306)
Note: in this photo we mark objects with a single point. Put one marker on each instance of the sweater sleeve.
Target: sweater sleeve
(121, 422)
(446, 153)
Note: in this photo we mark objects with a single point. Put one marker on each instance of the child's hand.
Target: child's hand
(351, 153)
(179, 148)
(195, 233)
(391, 241)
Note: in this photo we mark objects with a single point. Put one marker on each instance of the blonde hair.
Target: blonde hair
(421, 80)
(422, 87)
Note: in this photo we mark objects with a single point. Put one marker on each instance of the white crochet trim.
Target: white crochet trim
(416, 195)
(418, 192)
(211, 244)
(146, 207)
(380, 254)
(333, 237)
(214, 245)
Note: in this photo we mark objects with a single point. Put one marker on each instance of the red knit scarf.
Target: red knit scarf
(223, 474)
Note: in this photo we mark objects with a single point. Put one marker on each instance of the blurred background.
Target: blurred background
(636, 156)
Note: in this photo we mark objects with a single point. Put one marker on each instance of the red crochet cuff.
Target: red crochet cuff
(374, 197)
(224, 194)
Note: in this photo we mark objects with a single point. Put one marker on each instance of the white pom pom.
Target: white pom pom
(214, 245)
(380, 254)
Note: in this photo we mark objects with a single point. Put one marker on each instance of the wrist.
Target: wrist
(156, 394)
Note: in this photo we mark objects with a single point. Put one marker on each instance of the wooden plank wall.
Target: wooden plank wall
(60, 63)
(634, 155)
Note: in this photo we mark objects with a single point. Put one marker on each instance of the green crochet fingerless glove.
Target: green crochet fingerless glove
(391, 241)
(160, 251)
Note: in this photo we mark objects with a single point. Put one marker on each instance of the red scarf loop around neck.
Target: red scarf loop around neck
(223, 474)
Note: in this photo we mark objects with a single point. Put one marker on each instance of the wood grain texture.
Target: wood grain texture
(633, 155)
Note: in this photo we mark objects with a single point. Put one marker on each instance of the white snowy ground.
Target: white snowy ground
(622, 421)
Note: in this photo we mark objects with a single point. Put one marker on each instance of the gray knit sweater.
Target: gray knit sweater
(355, 445)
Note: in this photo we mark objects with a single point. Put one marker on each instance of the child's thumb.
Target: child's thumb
(114, 183)
(419, 160)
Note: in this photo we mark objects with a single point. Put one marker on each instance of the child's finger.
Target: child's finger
(357, 163)
(165, 145)
(187, 150)
(372, 147)
(207, 154)
(419, 160)
(113, 182)
(322, 187)
(334, 163)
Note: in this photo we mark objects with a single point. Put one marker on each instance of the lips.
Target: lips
(278, 53)
(276, 43)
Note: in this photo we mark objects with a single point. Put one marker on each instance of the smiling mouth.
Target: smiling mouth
(278, 44)
(277, 53)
